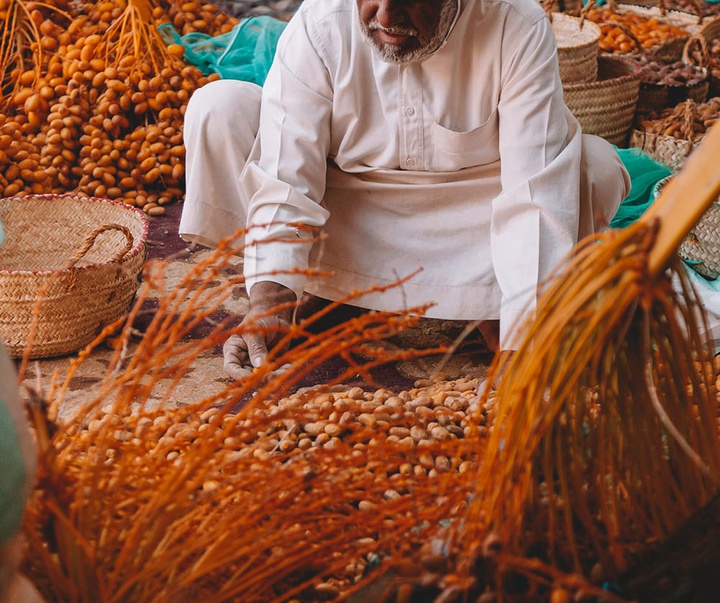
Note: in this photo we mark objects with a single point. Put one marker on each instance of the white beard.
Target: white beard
(393, 54)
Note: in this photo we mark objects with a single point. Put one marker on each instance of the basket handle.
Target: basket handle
(547, 7)
(589, 5)
(689, 121)
(92, 237)
(702, 46)
(612, 6)
(697, 6)
(626, 30)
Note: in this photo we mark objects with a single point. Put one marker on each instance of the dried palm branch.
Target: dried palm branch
(605, 437)
(251, 494)
(600, 440)
(133, 41)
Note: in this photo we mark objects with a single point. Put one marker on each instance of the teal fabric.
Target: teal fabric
(645, 173)
(245, 53)
(12, 469)
(12, 477)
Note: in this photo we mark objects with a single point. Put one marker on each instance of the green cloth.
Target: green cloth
(245, 53)
(12, 477)
(13, 471)
(645, 173)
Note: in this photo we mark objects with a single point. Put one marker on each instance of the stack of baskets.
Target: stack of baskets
(601, 91)
(671, 119)
(69, 267)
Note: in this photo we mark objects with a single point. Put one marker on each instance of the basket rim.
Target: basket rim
(670, 14)
(589, 38)
(621, 79)
(138, 245)
(661, 86)
(658, 186)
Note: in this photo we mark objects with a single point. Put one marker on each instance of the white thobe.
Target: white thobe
(466, 166)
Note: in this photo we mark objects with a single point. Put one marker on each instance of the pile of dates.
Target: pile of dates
(678, 73)
(687, 120)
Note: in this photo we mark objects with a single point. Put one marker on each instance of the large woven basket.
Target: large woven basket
(606, 107)
(670, 49)
(701, 248)
(667, 150)
(654, 97)
(708, 26)
(672, 137)
(577, 45)
(69, 267)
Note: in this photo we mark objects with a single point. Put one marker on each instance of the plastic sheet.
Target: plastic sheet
(244, 53)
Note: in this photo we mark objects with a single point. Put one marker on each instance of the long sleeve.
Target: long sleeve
(535, 217)
(286, 182)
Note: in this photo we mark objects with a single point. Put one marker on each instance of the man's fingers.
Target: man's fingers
(235, 357)
(257, 350)
(236, 371)
(273, 329)
(242, 353)
(235, 348)
(249, 349)
(235, 341)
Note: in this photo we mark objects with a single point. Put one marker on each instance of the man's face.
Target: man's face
(401, 31)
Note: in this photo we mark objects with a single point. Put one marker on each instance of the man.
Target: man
(424, 134)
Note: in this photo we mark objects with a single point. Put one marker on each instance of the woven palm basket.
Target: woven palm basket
(668, 150)
(707, 26)
(701, 248)
(670, 49)
(656, 96)
(69, 267)
(606, 107)
(577, 45)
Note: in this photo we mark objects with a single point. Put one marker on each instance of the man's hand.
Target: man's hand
(265, 327)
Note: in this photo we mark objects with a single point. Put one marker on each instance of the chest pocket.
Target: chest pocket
(459, 150)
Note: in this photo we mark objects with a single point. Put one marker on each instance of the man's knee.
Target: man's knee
(220, 131)
(604, 182)
(228, 106)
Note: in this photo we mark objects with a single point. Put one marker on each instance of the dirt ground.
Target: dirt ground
(206, 377)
